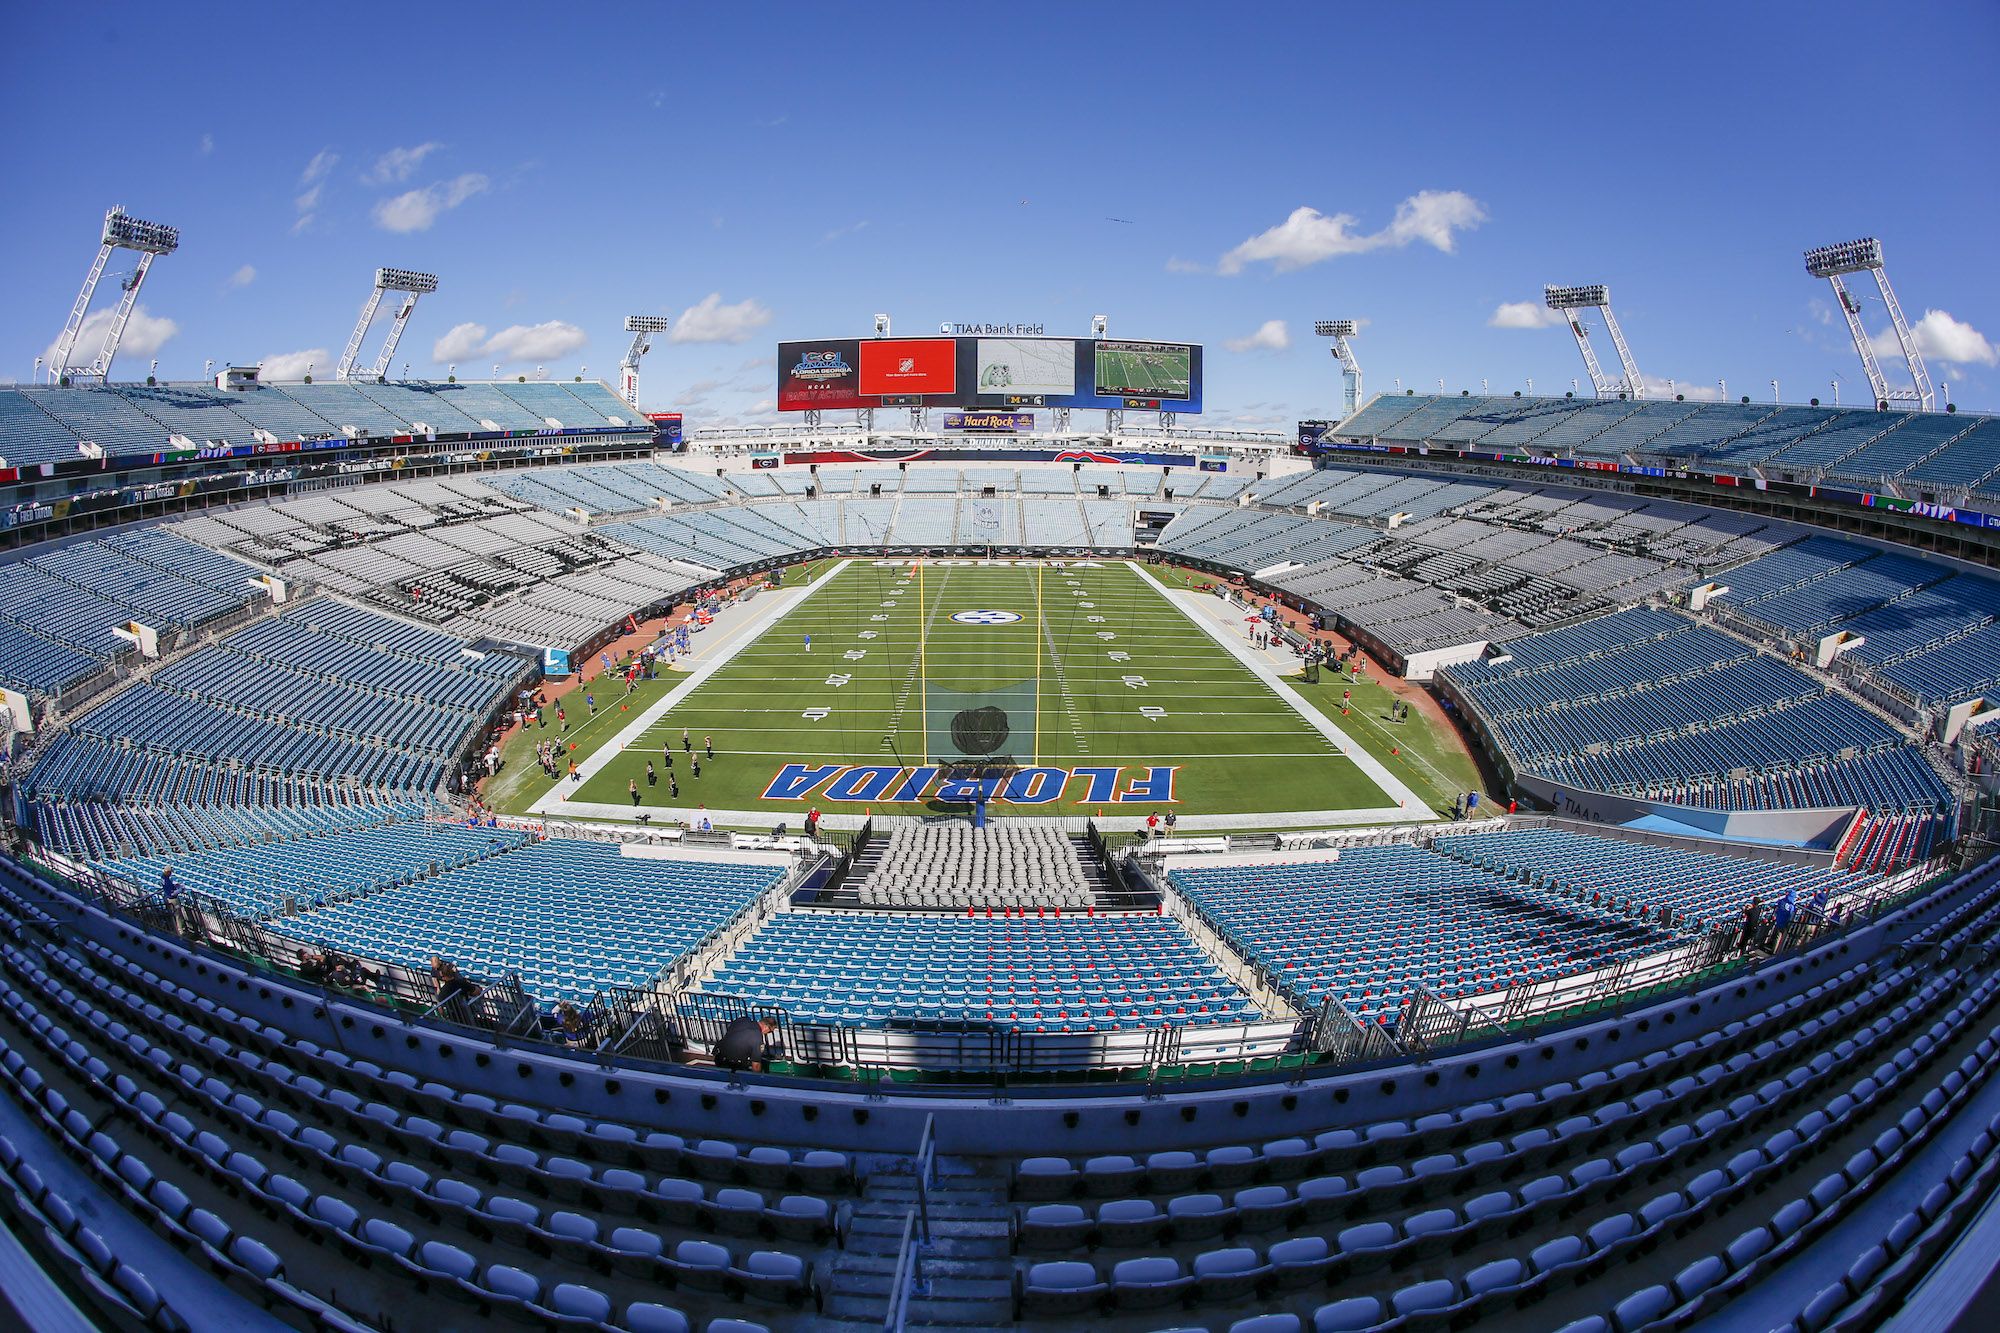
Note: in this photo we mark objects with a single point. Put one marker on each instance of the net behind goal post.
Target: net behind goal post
(981, 667)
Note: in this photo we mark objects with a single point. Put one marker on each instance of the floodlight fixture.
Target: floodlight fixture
(405, 280)
(121, 231)
(642, 328)
(408, 281)
(1823, 261)
(1833, 262)
(1340, 330)
(1577, 298)
(1597, 296)
(125, 232)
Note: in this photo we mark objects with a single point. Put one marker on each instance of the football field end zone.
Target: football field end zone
(745, 634)
(1411, 808)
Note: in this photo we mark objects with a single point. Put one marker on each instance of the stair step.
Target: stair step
(892, 1205)
(874, 1239)
(944, 1284)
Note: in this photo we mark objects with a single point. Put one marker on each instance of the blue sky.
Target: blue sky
(765, 172)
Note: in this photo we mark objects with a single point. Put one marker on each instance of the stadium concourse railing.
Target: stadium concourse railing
(662, 1024)
(1427, 1021)
(664, 1021)
(498, 1005)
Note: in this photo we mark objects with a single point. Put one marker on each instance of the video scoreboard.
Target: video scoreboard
(994, 373)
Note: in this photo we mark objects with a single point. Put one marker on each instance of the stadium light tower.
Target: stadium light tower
(642, 328)
(1340, 330)
(1597, 297)
(413, 285)
(1832, 262)
(121, 232)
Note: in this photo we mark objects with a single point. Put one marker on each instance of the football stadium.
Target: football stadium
(994, 840)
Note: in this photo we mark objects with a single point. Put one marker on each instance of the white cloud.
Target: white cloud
(1940, 338)
(1309, 236)
(1433, 217)
(144, 335)
(311, 182)
(1688, 389)
(416, 210)
(243, 277)
(292, 365)
(207, 144)
(535, 342)
(459, 344)
(1524, 315)
(323, 162)
(1271, 336)
(1179, 265)
(848, 230)
(398, 164)
(713, 322)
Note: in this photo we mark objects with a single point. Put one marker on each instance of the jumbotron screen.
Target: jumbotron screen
(989, 372)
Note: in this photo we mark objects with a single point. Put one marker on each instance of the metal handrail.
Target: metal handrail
(908, 1266)
(926, 1167)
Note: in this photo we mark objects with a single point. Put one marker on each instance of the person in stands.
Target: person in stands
(170, 888)
(1752, 913)
(451, 983)
(746, 1044)
(568, 1025)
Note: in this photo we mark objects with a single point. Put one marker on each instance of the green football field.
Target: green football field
(1068, 687)
(1144, 374)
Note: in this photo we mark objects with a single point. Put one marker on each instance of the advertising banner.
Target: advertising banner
(909, 367)
(989, 421)
(819, 375)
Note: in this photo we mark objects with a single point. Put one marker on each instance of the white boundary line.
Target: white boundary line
(1198, 608)
(745, 634)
